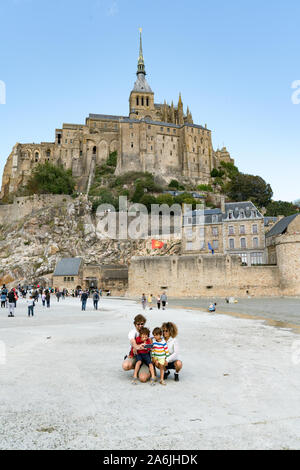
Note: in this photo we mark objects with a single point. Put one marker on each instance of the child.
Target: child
(150, 301)
(159, 353)
(143, 356)
(30, 303)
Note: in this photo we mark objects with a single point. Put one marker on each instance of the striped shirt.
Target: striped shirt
(160, 349)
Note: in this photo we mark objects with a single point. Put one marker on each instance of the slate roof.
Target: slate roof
(68, 267)
(281, 226)
(236, 207)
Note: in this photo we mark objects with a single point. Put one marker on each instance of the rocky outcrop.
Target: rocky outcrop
(30, 248)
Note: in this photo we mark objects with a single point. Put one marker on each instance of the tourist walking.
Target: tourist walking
(164, 300)
(43, 299)
(11, 303)
(150, 301)
(3, 300)
(170, 332)
(47, 293)
(158, 302)
(95, 300)
(30, 303)
(144, 301)
(84, 297)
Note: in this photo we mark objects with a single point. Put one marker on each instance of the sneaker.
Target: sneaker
(166, 374)
(176, 377)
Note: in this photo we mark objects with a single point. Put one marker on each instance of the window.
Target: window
(190, 220)
(174, 131)
(242, 229)
(137, 101)
(130, 126)
(151, 147)
(254, 228)
(161, 129)
(147, 101)
(94, 150)
(66, 141)
(59, 139)
(37, 156)
(168, 129)
(68, 279)
(215, 231)
(231, 243)
(131, 145)
(65, 279)
(256, 258)
(215, 244)
(255, 242)
(231, 230)
(243, 242)
(214, 219)
(242, 214)
(142, 101)
(149, 127)
(72, 278)
(243, 257)
(230, 215)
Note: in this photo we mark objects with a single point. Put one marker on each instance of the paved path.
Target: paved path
(62, 385)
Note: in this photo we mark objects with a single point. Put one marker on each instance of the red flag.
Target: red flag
(157, 245)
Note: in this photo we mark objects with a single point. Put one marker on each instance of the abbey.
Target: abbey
(158, 138)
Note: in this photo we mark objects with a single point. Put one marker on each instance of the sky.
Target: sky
(234, 62)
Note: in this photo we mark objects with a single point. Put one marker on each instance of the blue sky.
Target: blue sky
(234, 63)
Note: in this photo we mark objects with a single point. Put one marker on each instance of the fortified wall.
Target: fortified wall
(23, 206)
(218, 275)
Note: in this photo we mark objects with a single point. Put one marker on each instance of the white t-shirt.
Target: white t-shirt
(173, 349)
(30, 302)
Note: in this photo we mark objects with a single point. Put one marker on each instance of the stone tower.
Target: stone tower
(141, 100)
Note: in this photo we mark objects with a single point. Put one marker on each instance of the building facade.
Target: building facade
(159, 138)
(235, 229)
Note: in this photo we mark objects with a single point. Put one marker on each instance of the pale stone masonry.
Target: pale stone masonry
(236, 228)
(159, 138)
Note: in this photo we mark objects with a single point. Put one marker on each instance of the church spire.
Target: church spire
(141, 64)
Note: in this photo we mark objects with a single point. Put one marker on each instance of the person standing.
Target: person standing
(30, 303)
(144, 301)
(3, 299)
(84, 297)
(95, 300)
(43, 299)
(47, 298)
(158, 302)
(11, 303)
(150, 301)
(164, 299)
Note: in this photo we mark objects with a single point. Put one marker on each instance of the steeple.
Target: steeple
(141, 64)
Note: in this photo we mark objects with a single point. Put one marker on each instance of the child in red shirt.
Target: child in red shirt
(144, 356)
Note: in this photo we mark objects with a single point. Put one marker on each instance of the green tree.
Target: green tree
(243, 187)
(276, 208)
(50, 179)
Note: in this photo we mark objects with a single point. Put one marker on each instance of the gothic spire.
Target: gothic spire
(141, 64)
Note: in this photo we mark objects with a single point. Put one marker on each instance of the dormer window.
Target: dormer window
(242, 214)
(214, 219)
(230, 215)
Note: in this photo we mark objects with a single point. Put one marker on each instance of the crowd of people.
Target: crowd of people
(150, 351)
(161, 300)
(32, 294)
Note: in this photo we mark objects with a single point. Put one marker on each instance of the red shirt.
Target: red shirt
(138, 340)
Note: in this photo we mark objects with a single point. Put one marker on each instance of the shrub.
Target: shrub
(50, 179)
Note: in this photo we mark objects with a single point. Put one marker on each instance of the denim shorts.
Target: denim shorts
(145, 358)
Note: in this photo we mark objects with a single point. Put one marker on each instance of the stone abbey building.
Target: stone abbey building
(159, 138)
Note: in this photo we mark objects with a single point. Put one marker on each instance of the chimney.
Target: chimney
(222, 200)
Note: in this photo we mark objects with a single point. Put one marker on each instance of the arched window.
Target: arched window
(142, 101)
(37, 156)
(137, 100)
(48, 154)
(147, 101)
(94, 150)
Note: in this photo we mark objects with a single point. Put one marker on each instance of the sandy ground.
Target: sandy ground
(62, 385)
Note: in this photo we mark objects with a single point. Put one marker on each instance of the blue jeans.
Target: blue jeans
(83, 304)
(30, 310)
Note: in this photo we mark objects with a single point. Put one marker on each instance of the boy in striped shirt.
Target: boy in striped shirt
(159, 353)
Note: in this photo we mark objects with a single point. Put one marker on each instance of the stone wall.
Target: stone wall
(23, 206)
(203, 275)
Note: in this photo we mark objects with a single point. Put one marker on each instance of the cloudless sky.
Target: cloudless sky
(234, 63)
